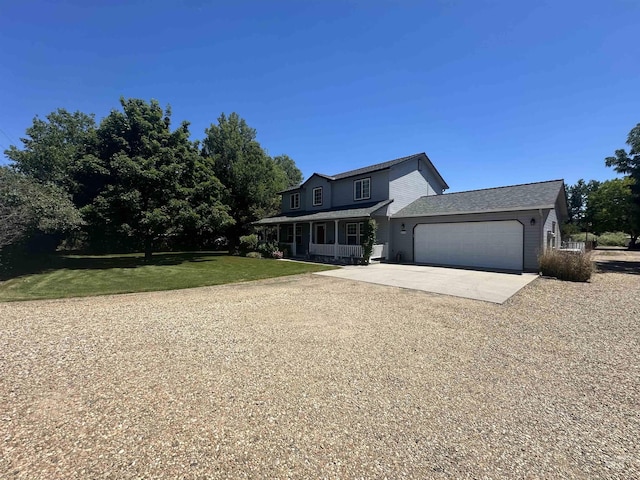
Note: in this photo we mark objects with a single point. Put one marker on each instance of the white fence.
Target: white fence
(332, 250)
(379, 250)
(573, 246)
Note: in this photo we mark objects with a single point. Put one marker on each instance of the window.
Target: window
(317, 196)
(294, 200)
(354, 233)
(362, 189)
(298, 234)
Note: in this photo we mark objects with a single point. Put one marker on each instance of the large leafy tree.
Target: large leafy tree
(251, 178)
(156, 185)
(28, 206)
(628, 163)
(612, 208)
(54, 147)
(291, 170)
(577, 196)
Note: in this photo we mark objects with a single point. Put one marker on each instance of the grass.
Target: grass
(62, 276)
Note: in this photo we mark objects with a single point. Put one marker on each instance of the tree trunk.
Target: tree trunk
(148, 249)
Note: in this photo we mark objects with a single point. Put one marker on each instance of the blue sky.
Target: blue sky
(495, 92)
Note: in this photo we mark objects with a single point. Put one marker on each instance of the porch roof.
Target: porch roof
(347, 212)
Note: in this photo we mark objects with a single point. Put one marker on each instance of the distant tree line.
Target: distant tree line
(612, 205)
(132, 183)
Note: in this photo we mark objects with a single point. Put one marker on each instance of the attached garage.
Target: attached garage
(494, 245)
(503, 228)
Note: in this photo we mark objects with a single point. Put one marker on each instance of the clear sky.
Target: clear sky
(495, 92)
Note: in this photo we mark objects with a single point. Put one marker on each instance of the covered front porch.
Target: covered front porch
(337, 240)
(335, 235)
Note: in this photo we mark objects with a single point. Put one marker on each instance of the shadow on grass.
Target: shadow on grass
(32, 264)
(618, 266)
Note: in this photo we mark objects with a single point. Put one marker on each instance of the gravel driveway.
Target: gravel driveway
(314, 377)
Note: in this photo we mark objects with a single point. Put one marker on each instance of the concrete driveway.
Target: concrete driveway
(487, 286)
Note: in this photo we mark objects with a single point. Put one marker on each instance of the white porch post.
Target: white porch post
(335, 241)
(310, 237)
(293, 254)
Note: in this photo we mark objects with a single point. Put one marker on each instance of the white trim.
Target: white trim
(361, 181)
(313, 195)
(294, 201)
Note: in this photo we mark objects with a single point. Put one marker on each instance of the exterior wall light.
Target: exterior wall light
(403, 229)
(533, 222)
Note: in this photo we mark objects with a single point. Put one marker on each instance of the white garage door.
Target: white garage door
(496, 245)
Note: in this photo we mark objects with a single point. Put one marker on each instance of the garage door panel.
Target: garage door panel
(497, 244)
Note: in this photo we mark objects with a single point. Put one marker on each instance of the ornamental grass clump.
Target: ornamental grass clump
(569, 266)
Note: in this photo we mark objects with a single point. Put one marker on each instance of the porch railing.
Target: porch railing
(325, 249)
(348, 251)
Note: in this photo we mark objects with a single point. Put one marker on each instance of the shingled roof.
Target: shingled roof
(528, 196)
(349, 211)
(374, 168)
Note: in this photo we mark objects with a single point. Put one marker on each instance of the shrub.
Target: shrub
(580, 237)
(248, 243)
(613, 239)
(267, 248)
(254, 255)
(277, 254)
(284, 248)
(571, 266)
(369, 240)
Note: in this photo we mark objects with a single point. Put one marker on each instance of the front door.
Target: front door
(320, 233)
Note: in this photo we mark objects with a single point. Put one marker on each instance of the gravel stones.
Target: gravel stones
(314, 377)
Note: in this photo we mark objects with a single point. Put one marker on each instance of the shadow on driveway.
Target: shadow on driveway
(618, 266)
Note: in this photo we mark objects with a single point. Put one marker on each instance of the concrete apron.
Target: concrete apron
(477, 285)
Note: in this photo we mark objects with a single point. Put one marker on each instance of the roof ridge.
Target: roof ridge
(503, 186)
(373, 166)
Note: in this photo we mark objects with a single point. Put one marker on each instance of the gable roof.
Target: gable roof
(527, 196)
(374, 168)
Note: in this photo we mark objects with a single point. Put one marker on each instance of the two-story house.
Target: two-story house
(325, 215)
(502, 228)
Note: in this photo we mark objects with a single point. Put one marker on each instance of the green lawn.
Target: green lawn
(61, 276)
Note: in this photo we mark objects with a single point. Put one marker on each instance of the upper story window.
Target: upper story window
(294, 200)
(317, 196)
(362, 189)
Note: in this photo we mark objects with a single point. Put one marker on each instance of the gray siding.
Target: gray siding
(286, 202)
(548, 229)
(382, 232)
(312, 183)
(342, 190)
(532, 233)
(409, 181)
